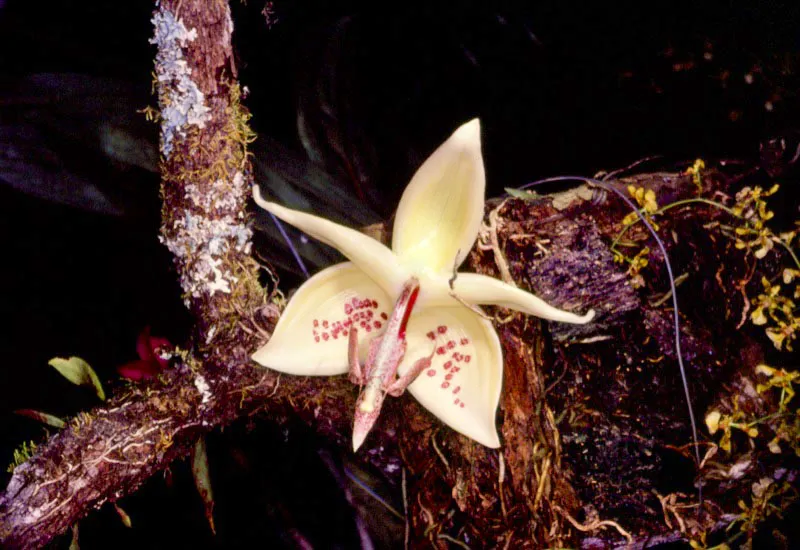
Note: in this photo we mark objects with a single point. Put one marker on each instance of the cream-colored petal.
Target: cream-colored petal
(480, 289)
(441, 210)
(374, 259)
(312, 333)
(462, 385)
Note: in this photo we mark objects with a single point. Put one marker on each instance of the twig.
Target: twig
(494, 246)
(501, 477)
(594, 524)
(448, 538)
(404, 490)
(438, 452)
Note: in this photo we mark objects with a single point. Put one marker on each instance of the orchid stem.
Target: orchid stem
(669, 207)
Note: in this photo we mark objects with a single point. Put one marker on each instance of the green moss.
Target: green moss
(23, 453)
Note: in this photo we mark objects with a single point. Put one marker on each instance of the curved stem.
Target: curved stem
(790, 251)
(672, 205)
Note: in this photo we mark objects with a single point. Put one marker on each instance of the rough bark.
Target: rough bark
(581, 448)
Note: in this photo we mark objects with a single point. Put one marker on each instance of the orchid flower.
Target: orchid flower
(150, 362)
(405, 313)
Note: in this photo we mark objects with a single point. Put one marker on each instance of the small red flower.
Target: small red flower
(150, 362)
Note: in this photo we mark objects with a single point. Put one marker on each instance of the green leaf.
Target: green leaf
(74, 545)
(202, 479)
(78, 371)
(522, 193)
(42, 417)
(123, 515)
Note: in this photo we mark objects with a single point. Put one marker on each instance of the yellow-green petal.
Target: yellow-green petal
(482, 290)
(463, 384)
(374, 259)
(441, 210)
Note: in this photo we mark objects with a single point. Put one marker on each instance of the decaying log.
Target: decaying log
(597, 447)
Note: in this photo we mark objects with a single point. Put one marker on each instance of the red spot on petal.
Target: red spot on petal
(440, 350)
(377, 324)
(458, 389)
(457, 356)
(348, 309)
(441, 329)
(467, 358)
(384, 316)
(448, 364)
(451, 344)
(455, 369)
(445, 385)
(325, 336)
(368, 328)
(456, 402)
(462, 405)
(374, 303)
(431, 335)
(431, 372)
(316, 323)
(464, 341)
(316, 338)
(324, 324)
(448, 377)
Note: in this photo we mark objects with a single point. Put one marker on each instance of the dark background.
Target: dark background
(562, 87)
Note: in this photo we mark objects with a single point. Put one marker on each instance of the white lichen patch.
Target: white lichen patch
(181, 101)
(210, 334)
(202, 236)
(200, 241)
(223, 195)
(202, 388)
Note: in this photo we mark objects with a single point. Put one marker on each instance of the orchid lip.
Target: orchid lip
(384, 357)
